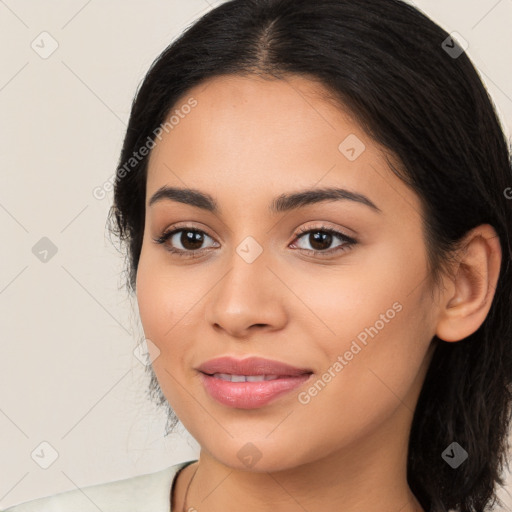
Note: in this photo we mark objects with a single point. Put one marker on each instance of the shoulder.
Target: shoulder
(143, 492)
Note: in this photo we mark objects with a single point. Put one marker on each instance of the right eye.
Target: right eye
(189, 238)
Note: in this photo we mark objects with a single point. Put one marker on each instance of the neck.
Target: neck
(370, 474)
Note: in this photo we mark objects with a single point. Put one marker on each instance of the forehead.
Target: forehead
(247, 115)
(249, 133)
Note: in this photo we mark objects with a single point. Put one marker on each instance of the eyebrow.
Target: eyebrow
(281, 203)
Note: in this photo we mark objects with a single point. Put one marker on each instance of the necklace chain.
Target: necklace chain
(188, 487)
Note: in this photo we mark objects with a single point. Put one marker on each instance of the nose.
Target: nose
(247, 298)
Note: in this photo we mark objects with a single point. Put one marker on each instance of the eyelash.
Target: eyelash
(349, 242)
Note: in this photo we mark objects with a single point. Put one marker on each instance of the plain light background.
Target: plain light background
(68, 373)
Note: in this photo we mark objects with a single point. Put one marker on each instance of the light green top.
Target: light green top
(143, 493)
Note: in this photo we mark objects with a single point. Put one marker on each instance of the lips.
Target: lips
(250, 366)
(249, 383)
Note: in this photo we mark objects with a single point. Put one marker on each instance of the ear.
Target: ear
(467, 299)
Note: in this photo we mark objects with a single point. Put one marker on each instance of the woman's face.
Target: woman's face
(358, 315)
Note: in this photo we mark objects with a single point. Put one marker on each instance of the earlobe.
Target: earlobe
(468, 299)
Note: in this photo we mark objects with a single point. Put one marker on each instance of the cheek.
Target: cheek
(160, 305)
(169, 302)
(379, 331)
(364, 383)
(151, 300)
(161, 296)
(367, 298)
(163, 313)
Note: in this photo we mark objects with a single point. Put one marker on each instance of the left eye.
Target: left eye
(320, 237)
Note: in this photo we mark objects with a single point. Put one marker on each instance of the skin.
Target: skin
(247, 141)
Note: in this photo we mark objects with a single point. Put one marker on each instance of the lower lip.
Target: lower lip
(250, 395)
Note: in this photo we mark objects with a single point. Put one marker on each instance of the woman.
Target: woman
(313, 197)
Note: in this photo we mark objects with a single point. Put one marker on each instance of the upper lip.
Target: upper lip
(250, 366)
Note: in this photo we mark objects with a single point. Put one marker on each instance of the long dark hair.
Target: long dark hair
(416, 92)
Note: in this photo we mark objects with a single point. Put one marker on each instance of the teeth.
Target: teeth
(255, 378)
(244, 378)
